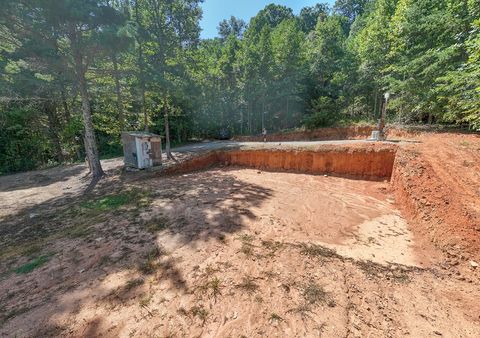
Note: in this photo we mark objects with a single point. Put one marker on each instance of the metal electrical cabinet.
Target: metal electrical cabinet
(142, 150)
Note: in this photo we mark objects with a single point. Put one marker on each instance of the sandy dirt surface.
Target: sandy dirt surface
(234, 252)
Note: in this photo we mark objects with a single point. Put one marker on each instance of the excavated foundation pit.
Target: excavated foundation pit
(368, 164)
(275, 196)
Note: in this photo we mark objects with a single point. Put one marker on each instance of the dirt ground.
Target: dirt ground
(237, 252)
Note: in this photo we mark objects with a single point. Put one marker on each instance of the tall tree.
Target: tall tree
(351, 9)
(233, 26)
(309, 16)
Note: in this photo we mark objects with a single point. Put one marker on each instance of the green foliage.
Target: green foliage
(144, 59)
(324, 113)
(24, 144)
(32, 265)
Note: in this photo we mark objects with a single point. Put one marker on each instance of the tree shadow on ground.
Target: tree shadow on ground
(84, 247)
(39, 178)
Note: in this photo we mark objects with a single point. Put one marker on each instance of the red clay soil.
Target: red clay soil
(371, 162)
(437, 186)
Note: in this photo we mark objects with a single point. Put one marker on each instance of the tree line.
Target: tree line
(76, 73)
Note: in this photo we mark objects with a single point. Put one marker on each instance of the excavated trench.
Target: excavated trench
(359, 163)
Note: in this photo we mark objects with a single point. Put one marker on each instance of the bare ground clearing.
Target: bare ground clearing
(232, 252)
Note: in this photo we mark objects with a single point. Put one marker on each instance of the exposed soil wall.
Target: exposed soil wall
(358, 163)
(443, 212)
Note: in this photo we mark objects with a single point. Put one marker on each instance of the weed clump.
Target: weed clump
(157, 224)
(214, 285)
(247, 247)
(314, 250)
(397, 273)
(133, 283)
(275, 318)
(149, 265)
(199, 312)
(32, 265)
(272, 246)
(314, 293)
(248, 284)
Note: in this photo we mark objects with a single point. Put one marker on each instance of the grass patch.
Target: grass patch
(248, 284)
(272, 246)
(275, 318)
(199, 312)
(314, 250)
(149, 265)
(315, 294)
(7, 315)
(157, 224)
(376, 270)
(304, 310)
(145, 300)
(133, 283)
(115, 201)
(213, 286)
(247, 247)
(110, 202)
(246, 238)
(78, 231)
(32, 265)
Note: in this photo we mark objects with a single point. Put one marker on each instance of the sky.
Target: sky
(215, 11)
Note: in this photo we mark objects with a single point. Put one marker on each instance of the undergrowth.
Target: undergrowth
(32, 265)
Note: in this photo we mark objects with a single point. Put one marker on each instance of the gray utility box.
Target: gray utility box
(142, 150)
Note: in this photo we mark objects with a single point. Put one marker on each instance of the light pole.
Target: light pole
(379, 134)
(381, 122)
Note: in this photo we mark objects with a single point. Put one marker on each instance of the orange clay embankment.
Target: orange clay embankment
(366, 163)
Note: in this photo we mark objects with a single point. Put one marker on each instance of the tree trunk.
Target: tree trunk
(142, 97)
(90, 142)
(167, 134)
(118, 92)
(141, 67)
(66, 110)
(53, 125)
